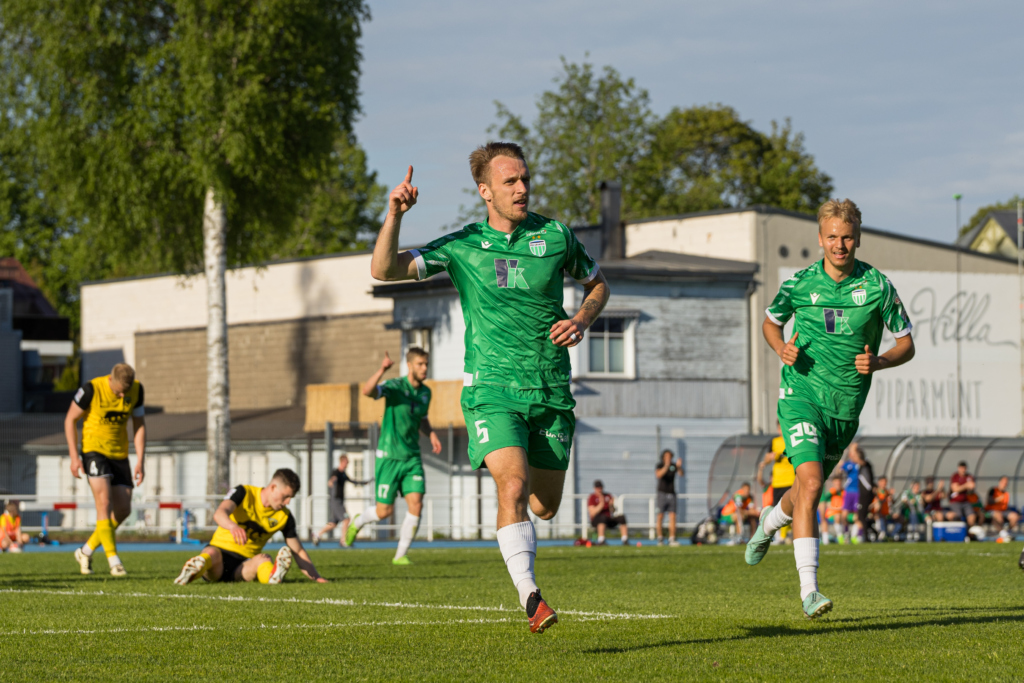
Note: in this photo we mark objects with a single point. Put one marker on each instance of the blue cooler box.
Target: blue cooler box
(949, 531)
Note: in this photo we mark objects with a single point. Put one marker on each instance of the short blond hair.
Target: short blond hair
(123, 374)
(844, 210)
(480, 159)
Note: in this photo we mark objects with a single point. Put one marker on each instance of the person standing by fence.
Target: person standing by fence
(337, 513)
(666, 472)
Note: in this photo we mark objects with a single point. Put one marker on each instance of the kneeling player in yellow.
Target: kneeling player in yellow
(246, 519)
(106, 403)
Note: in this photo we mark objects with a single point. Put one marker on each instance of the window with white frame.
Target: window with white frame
(610, 347)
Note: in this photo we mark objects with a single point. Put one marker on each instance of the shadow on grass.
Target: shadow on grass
(833, 626)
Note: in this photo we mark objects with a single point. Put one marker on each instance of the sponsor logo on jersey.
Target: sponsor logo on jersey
(538, 247)
(860, 296)
(509, 274)
(814, 298)
(485, 244)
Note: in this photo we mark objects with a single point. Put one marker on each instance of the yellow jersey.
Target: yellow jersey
(260, 523)
(783, 474)
(105, 423)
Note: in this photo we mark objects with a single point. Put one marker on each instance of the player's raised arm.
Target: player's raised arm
(370, 386)
(387, 264)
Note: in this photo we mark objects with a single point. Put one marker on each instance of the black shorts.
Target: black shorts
(608, 521)
(98, 465)
(778, 493)
(231, 561)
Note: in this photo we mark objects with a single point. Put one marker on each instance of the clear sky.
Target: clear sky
(902, 103)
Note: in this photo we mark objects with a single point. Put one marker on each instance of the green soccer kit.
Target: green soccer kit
(822, 394)
(516, 381)
(398, 469)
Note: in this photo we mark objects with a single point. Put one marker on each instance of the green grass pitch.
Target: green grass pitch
(907, 612)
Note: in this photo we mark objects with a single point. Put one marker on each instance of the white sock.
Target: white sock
(114, 560)
(600, 539)
(87, 551)
(409, 526)
(518, 544)
(805, 551)
(366, 517)
(775, 520)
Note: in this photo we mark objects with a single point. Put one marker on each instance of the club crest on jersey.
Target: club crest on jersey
(814, 298)
(538, 247)
(860, 296)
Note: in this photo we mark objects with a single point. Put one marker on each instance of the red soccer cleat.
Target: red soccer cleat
(541, 616)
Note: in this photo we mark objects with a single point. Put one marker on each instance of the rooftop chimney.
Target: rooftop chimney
(613, 234)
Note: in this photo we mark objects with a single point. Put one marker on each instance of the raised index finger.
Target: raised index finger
(408, 176)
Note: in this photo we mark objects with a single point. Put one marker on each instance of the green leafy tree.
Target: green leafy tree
(595, 127)
(185, 132)
(591, 127)
(979, 215)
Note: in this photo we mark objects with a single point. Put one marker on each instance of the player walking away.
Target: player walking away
(601, 509)
(11, 536)
(839, 306)
(782, 476)
(398, 469)
(516, 397)
(851, 496)
(337, 512)
(105, 405)
(739, 510)
(666, 472)
(246, 520)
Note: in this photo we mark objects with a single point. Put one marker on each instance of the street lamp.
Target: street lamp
(956, 328)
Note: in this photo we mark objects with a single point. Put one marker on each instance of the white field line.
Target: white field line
(261, 627)
(332, 601)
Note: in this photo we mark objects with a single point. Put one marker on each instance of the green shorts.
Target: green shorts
(811, 435)
(540, 421)
(727, 519)
(398, 478)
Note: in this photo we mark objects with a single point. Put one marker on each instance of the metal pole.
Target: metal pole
(451, 481)
(1020, 279)
(956, 327)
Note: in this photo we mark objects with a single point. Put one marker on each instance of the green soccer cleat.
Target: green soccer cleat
(757, 546)
(402, 561)
(816, 605)
(351, 532)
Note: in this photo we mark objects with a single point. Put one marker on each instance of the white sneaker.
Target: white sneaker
(281, 565)
(118, 570)
(192, 569)
(84, 561)
(673, 543)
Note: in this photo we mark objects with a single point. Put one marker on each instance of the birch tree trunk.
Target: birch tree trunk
(218, 416)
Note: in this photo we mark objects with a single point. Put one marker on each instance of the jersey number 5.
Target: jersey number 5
(802, 431)
(481, 432)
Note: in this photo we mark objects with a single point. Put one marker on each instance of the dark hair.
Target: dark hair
(598, 484)
(746, 483)
(288, 478)
(670, 453)
(962, 463)
(414, 352)
(480, 159)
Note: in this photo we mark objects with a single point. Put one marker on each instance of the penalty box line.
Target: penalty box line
(585, 615)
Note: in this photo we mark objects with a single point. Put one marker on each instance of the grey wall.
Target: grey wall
(687, 331)
(10, 371)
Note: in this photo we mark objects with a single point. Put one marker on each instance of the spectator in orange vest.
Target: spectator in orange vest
(738, 510)
(998, 509)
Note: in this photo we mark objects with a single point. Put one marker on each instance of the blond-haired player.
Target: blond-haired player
(246, 519)
(105, 405)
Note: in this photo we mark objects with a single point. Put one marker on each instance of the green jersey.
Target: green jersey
(404, 410)
(511, 286)
(835, 320)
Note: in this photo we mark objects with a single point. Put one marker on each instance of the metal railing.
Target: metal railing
(571, 521)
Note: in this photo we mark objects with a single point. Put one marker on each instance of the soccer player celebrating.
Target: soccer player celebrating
(516, 396)
(399, 470)
(840, 306)
(246, 519)
(106, 403)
